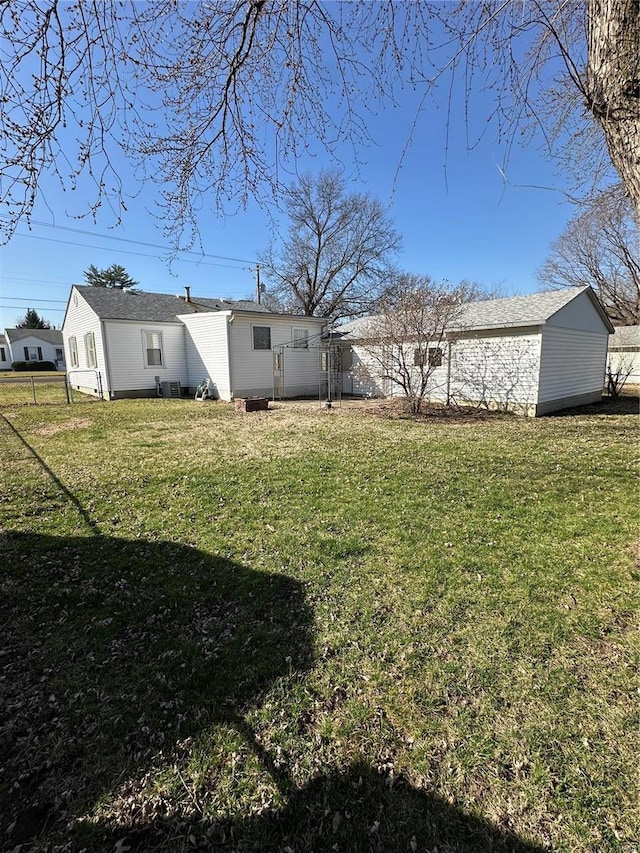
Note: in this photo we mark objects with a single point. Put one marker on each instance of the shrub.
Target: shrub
(32, 366)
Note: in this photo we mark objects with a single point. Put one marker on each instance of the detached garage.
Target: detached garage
(530, 354)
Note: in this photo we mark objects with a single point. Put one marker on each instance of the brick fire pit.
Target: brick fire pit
(252, 404)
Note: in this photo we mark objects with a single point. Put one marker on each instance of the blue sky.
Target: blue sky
(458, 217)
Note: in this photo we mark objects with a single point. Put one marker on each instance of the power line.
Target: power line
(21, 308)
(35, 299)
(124, 240)
(129, 252)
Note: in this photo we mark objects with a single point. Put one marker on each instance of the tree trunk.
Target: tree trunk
(613, 83)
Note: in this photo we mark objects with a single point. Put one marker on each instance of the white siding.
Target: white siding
(15, 352)
(252, 370)
(573, 363)
(125, 350)
(366, 381)
(79, 320)
(497, 370)
(625, 361)
(208, 351)
(580, 314)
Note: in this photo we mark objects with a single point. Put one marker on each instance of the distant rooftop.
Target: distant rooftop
(51, 336)
(625, 337)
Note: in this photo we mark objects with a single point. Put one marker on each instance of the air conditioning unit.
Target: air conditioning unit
(170, 389)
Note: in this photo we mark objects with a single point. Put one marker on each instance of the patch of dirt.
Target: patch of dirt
(73, 423)
(431, 411)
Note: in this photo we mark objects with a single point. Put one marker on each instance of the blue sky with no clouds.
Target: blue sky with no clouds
(462, 214)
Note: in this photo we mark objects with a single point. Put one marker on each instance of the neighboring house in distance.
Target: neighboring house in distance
(624, 352)
(5, 354)
(123, 343)
(31, 345)
(533, 354)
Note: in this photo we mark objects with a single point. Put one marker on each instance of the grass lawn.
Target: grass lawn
(310, 630)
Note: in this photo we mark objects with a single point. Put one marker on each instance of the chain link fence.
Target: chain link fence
(50, 389)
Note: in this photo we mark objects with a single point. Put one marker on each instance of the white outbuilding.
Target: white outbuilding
(531, 354)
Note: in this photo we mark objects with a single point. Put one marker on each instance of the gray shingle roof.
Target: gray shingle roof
(625, 336)
(512, 312)
(114, 304)
(50, 336)
(532, 310)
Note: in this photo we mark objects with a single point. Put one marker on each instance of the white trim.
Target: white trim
(255, 326)
(90, 350)
(157, 334)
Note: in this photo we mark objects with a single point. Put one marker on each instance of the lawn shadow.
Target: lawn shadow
(359, 810)
(113, 651)
(625, 404)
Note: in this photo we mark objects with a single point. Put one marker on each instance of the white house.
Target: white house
(534, 354)
(129, 343)
(624, 353)
(31, 345)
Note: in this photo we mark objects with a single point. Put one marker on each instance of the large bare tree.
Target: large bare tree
(337, 254)
(211, 99)
(601, 247)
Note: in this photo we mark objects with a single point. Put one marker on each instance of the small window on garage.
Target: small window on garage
(261, 337)
(435, 356)
(301, 338)
(152, 343)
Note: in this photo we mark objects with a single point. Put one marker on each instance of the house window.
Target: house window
(152, 343)
(3, 354)
(90, 349)
(435, 356)
(73, 351)
(33, 353)
(301, 338)
(419, 359)
(261, 337)
(59, 354)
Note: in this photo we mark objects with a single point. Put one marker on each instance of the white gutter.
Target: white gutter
(229, 324)
(107, 366)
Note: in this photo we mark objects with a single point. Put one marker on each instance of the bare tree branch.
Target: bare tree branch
(601, 247)
(338, 251)
(211, 100)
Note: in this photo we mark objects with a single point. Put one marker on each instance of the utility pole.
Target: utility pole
(258, 285)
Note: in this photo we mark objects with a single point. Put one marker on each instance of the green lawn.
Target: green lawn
(311, 630)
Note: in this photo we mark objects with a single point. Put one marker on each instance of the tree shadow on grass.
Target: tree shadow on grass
(359, 810)
(112, 651)
(625, 404)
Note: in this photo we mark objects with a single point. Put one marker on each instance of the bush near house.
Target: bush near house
(32, 366)
(318, 630)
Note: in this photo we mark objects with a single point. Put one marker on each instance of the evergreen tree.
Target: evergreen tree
(114, 276)
(32, 320)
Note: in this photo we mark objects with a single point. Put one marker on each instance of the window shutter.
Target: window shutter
(39, 353)
(26, 353)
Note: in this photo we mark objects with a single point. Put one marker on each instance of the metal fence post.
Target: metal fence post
(33, 391)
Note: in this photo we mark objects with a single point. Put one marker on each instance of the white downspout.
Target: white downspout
(229, 324)
(107, 366)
